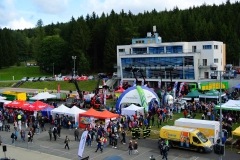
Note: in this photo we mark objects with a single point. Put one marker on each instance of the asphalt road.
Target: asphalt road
(147, 148)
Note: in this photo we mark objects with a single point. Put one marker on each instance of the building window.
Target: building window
(139, 50)
(207, 47)
(156, 50)
(121, 50)
(215, 60)
(140, 41)
(174, 49)
(215, 46)
(204, 62)
(194, 48)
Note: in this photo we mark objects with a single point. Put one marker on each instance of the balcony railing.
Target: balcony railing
(204, 66)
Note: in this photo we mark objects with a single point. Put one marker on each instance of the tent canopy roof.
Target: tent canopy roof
(75, 110)
(43, 95)
(133, 107)
(62, 108)
(211, 94)
(193, 94)
(93, 113)
(230, 105)
(237, 86)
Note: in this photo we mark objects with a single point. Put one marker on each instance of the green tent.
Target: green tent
(192, 94)
(211, 94)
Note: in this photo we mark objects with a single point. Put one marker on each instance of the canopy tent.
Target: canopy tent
(211, 94)
(132, 110)
(47, 111)
(91, 113)
(43, 95)
(237, 86)
(38, 105)
(139, 95)
(5, 101)
(74, 112)
(60, 110)
(2, 97)
(236, 132)
(193, 94)
(17, 104)
(230, 105)
(106, 114)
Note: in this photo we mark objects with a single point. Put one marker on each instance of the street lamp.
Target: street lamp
(74, 58)
(53, 70)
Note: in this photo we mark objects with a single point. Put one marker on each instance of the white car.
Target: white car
(31, 79)
(90, 77)
(43, 78)
(24, 79)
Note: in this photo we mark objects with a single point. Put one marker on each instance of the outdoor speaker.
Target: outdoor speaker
(4, 148)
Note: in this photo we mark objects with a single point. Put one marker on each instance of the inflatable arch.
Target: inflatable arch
(137, 94)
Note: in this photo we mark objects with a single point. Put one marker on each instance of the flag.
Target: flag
(180, 88)
(104, 96)
(142, 83)
(121, 84)
(134, 82)
(82, 143)
(174, 89)
(164, 98)
(159, 84)
(77, 95)
(58, 90)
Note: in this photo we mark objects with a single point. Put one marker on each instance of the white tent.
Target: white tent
(230, 105)
(74, 112)
(5, 101)
(2, 97)
(43, 95)
(132, 109)
(60, 110)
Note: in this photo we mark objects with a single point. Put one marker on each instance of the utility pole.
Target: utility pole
(74, 58)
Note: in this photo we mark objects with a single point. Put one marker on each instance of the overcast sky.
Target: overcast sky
(20, 14)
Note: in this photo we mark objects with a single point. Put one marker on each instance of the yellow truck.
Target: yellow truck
(186, 138)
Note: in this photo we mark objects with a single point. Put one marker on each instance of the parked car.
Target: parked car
(90, 77)
(237, 70)
(24, 79)
(230, 74)
(31, 79)
(43, 78)
(36, 79)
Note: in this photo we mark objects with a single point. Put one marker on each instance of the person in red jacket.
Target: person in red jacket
(185, 113)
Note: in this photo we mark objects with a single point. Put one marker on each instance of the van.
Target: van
(208, 128)
(186, 138)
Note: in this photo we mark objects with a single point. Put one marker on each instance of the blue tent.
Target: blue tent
(47, 112)
(237, 86)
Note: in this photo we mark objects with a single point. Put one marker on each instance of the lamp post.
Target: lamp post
(74, 58)
(53, 70)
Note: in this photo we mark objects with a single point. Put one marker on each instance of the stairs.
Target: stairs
(16, 85)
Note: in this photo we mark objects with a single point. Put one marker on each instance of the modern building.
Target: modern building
(169, 61)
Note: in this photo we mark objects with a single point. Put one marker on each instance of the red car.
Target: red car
(66, 78)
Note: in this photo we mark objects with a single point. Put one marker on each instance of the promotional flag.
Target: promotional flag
(58, 90)
(77, 97)
(142, 83)
(180, 88)
(174, 89)
(82, 143)
(159, 84)
(121, 84)
(134, 82)
(105, 96)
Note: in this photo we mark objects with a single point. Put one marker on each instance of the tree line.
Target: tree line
(94, 39)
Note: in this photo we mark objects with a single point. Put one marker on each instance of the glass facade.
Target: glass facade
(154, 67)
(156, 50)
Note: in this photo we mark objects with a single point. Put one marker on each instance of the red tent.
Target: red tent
(17, 104)
(90, 113)
(38, 106)
(106, 114)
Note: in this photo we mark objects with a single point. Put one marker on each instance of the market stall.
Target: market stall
(230, 105)
(132, 110)
(59, 110)
(93, 117)
(47, 112)
(43, 95)
(18, 104)
(74, 112)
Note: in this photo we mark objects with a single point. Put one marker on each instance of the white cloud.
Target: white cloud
(51, 6)
(20, 24)
(7, 12)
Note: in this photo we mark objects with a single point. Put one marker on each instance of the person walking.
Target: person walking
(164, 151)
(130, 147)
(135, 147)
(76, 134)
(99, 144)
(50, 133)
(13, 137)
(23, 133)
(54, 131)
(59, 128)
(66, 142)
(123, 141)
(30, 136)
(88, 139)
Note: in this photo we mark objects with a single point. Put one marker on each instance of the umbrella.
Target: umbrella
(43, 95)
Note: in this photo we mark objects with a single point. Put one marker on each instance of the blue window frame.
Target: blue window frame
(207, 46)
(139, 50)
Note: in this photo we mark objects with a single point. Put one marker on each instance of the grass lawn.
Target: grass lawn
(21, 71)
(89, 85)
(6, 84)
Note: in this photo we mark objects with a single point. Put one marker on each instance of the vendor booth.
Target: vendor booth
(212, 94)
(60, 110)
(230, 105)
(74, 112)
(132, 110)
(19, 104)
(93, 117)
(47, 112)
(43, 95)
